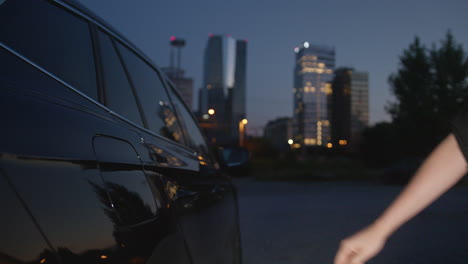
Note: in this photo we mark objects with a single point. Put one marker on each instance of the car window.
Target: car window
(195, 139)
(51, 37)
(118, 92)
(157, 109)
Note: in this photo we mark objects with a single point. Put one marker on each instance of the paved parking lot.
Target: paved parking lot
(304, 222)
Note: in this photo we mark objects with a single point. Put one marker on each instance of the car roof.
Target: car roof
(89, 15)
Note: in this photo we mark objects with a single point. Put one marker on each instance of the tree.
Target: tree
(379, 146)
(430, 88)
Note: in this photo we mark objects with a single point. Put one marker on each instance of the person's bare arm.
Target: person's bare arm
(441, 170)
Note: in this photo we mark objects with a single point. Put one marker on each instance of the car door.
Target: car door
(213, 232)
(135, 199)
(202, 199)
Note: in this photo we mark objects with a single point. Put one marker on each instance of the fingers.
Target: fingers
(348, 254)
(345, 254)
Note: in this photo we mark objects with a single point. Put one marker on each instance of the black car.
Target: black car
(100, 160)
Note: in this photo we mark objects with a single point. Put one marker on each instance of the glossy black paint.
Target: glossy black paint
(81, 184)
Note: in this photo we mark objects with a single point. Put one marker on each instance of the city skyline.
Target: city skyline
(367, 36)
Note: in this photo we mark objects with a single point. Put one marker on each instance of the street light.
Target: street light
(242, 124)
(211, 111)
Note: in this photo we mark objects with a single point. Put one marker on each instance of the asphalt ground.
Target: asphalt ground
(303, 222)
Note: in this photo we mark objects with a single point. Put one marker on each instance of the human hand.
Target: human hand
(360, 247)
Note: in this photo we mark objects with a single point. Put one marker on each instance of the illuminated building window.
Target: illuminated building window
(310, 141)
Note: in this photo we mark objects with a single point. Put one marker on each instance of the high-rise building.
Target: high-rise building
(350, 106)
(359, 102)
(224, 88)
(212, 93)
(238, 91)
(312, 90)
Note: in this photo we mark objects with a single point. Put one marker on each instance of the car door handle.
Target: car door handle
(187, 198)
(217, 189)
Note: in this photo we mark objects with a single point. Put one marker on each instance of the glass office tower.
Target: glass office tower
(350, 106)
(224, 88)
(312, 91)
(359, 102)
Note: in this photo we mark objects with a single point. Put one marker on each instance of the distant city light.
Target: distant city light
(246, 40)
(173, 38)
(228, 35)
(245, 121)
(103, 257)
(296, 49)
(211, 111)
(306, 44)
(205, 116)
(210, 35)
(329, 145)
(290, 141)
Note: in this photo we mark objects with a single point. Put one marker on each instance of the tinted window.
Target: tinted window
(51, 37)
(154, 100)
(119, 94)
(195, 139)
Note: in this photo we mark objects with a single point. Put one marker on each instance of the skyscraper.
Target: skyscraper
(224, 88)
(312, 89)
(350, 106)
(212, 93)
(238, 94)
(359, 102)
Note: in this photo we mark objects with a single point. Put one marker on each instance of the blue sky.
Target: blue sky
(367, 35)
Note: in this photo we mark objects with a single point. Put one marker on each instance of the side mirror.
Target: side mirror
(235, 157)
(235, 161)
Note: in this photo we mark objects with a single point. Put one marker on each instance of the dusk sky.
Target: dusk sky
(367, 35)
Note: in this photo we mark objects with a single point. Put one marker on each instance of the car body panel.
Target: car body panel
(88, 185)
